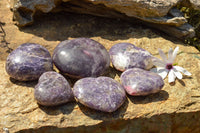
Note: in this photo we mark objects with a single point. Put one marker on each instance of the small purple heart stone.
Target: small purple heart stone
(53, 89)
(28, 62)
(139, 82)
(81, 57)
(127, 55)
(102, 93)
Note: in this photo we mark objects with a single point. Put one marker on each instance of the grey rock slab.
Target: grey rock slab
(134, 8)
(153, 12)
(52, 89)
(28, 62)
(139, 82)
(102, 93)
(157, 9)
(24, 10)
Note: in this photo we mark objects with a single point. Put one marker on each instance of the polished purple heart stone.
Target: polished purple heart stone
(81, 57)
(139, 82)
(127, 55)
(53, 89)
(102, 93)
(28, 62)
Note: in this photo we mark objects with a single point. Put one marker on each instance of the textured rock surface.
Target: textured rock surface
(28, 62)
(81, 57)
(127, 55)
(157, 12)
(52, 89)
(134, 8)
(24, 10)
(102, 93)
(139, 82)
(174, 109)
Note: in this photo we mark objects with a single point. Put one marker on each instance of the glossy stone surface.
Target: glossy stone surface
(28, 62)
(81, 57)
(102, 93)
(139, 82)
(53, 89)
(127, 55)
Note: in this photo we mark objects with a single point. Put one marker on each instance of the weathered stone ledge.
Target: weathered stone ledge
(161, 15)
(164, 123)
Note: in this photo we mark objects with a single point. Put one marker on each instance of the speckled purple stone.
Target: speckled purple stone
(102, 93)
(81, 57)
(53, 89)
(127, 55)
(28, 62)
(139, 82)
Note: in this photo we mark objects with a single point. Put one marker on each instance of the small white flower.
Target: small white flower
(166, 66)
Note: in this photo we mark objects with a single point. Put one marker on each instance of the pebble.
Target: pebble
(53, 89)
(81, 57)
(139, 82)
(28, 62)
(127, 55)
(102, 93)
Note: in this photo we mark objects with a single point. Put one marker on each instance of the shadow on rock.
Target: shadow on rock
(160, 96)
(24, 83)
(71, 81)
(99, 115)
(181, 82)
(66, 108)
(112, 73)
(60, 26)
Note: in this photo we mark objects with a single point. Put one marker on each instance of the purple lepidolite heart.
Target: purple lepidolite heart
(127, 55)
(139, 82)
(102, 93)
(81, 57)
(53, 89)
(28, 62)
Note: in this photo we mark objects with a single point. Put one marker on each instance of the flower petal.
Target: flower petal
(170, 55)
(157, 62)
(177, 73)
(160, 71)
(184, 71)
(175, 53)
(162, 54)
(171, 76)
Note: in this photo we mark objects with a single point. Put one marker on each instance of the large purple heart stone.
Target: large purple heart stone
(53, 89)
(28, 62)
(139, 82)
(127, 55)
(81, 57)
(102, 93)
